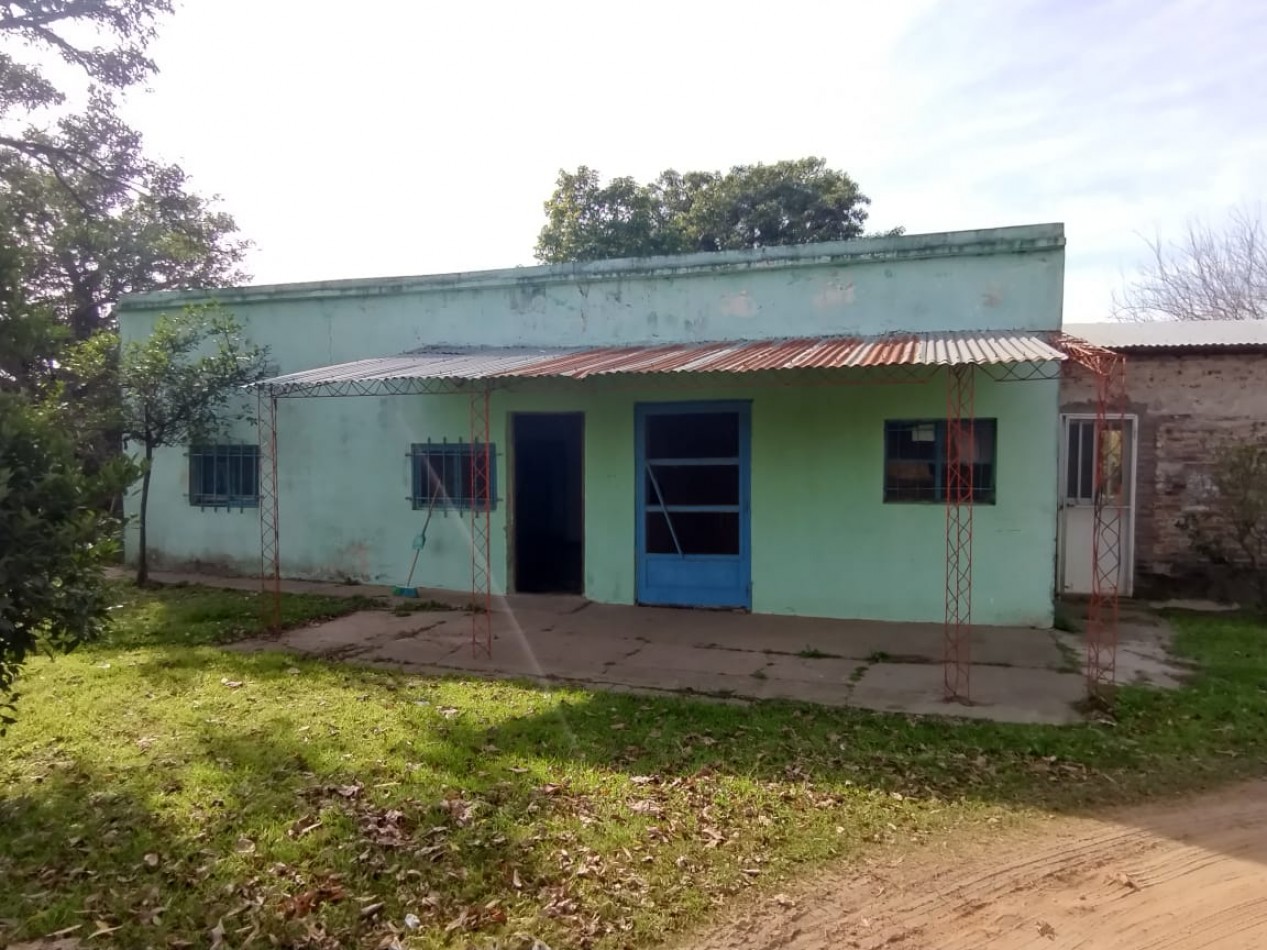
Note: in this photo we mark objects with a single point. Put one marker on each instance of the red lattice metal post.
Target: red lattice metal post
(481, 529)
(1108, 540)
(270, 525)
(957, 656)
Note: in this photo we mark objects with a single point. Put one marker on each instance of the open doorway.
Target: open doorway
(548, 493)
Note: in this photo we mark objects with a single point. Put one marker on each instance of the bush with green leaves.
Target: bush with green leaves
(55, 541)
(1230, 530)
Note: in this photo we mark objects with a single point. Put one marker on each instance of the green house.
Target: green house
(765, 430)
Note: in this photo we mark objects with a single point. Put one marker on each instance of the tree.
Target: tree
(44, 28)
(1209, 273)
(28, 333)
(1230, 529)
(789, 202)
(89, 238)
(54, 541)
(73, 242)
(180, 385)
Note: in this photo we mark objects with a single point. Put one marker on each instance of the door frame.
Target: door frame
(512, 561)
(743, 407)
(1062, 476)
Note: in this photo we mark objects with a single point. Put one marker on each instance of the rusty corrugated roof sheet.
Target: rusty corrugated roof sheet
(934, 349)
(937, 349)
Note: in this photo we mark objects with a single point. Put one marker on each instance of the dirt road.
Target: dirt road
(1191, 875)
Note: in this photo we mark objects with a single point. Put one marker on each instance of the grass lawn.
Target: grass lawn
(157, 791)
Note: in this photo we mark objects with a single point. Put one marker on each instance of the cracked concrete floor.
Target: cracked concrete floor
(1018, 674)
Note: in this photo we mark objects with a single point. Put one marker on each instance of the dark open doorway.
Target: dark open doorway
(548, 498)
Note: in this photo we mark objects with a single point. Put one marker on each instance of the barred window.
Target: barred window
(224, 476)
(441, 474)
(915, 464)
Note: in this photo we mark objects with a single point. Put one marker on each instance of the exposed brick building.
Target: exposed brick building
(1193, 387)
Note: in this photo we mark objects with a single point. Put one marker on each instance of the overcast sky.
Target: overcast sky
(391, 137)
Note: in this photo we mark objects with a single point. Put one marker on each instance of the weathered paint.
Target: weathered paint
(1006, 279)
(823, 543)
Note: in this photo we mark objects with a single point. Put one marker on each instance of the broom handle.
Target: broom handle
(410, 581)
(431, 506)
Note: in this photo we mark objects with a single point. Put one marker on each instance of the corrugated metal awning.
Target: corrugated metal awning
(951, 348)
(1174, 334)
(910, 349)
(427, 363)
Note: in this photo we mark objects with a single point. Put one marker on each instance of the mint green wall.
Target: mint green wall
(823, 543)
(1007, 278)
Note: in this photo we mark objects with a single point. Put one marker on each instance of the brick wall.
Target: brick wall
(1188, 405)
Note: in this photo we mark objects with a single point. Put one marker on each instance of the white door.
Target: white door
(1077, 498)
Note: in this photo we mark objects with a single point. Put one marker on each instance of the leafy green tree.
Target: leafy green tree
(90, 238)
(54, 540)
(789, 202)
(28, 333)
(182, 384)
(73, 241)
(104, 41)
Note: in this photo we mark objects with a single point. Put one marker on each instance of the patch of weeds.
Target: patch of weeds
(880, 656)
(407, 606)
(813, 653)
(759, 675)
(1097, 708)
(1065, 619)
(190, 614)
(1070, 658)
(858, 673)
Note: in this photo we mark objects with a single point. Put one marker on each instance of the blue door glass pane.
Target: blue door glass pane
(694, 484)
(693, 435)
(697, 532)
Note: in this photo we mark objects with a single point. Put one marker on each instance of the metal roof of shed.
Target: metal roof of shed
(1173, 334)
(481, 363)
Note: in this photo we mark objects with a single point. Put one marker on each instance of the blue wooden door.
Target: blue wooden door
(693, 478)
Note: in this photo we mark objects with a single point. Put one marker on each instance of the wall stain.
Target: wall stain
(739, 305)
(835, 294)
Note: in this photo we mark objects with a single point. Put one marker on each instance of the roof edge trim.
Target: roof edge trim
(1029, 238)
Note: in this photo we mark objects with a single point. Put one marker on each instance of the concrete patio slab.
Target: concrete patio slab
(362, 630)
(824, 670)
(1143, 653)
(1008, 694)
(541, 655)
(414, 651)
(665, 657)
(1018, 675)
(674, 681)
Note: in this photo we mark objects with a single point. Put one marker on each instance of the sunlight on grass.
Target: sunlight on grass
(157, 784)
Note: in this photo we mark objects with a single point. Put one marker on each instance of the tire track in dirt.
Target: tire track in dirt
(1186, 875)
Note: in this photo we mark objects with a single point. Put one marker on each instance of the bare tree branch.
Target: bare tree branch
(1210, 273)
